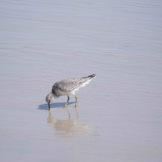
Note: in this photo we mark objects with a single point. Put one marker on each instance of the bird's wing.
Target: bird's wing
(67, 85)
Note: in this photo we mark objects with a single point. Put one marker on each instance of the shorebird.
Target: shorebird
(68, 87)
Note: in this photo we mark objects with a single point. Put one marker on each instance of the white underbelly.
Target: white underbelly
(75, 90)
(82, 85)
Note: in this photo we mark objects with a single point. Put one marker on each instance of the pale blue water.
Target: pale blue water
(119, 114)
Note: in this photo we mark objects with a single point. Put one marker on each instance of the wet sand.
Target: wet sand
(118, 117)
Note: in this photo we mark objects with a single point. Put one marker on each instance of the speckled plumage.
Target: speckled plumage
(68, 87)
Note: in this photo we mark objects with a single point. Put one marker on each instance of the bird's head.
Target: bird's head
(49, 99)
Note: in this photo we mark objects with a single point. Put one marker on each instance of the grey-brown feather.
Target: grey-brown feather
(67, 86)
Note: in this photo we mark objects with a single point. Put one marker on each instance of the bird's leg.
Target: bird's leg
(68, 98)
(76, 99)
(67, 102)
(49, 105)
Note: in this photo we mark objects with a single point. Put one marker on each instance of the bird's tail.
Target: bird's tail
(86, 80)
(91, 76)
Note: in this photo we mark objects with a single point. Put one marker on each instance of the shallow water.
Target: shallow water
(118, 117)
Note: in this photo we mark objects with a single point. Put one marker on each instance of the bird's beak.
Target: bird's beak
(49, 105)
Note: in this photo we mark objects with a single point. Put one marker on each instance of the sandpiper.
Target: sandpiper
(68, 87)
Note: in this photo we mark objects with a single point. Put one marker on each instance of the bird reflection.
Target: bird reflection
(69, 125)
